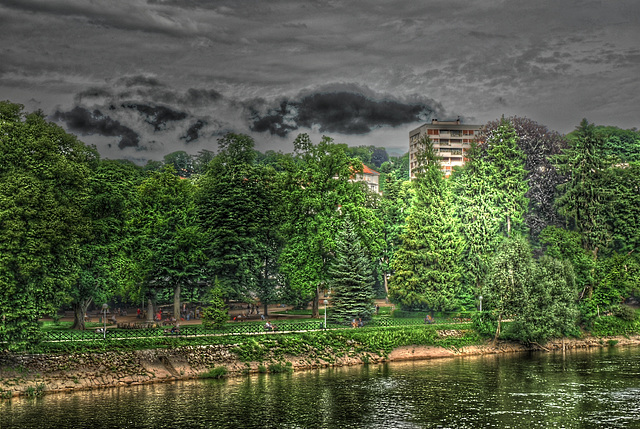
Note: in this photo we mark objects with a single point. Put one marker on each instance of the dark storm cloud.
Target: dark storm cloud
(342, 112)
(201, 97)
(140, 80)
(85, 122)
(158, 116)
(193, 132)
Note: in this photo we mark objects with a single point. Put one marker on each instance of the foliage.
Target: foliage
(43, 186)
(583, 196)
(216, 314)
(562, 244)
(237, 210)
(214, 372)
(426, 265)
(165, 232)
(508, 176)
(617, 278)
(319, 191)
(623, 145)
(104, 265)
(508, 279)
(351, 281)
(537, 144)
(550, 307)
(475, 200)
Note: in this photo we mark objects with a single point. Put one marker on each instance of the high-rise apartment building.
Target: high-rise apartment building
(451, 140)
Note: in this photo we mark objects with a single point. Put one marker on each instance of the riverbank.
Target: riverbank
(33, 375)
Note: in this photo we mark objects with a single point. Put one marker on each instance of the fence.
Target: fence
(244, 328)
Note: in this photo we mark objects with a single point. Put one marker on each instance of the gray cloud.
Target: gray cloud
(193, 132)
(158, 116)
(85, 122)
(344, 112)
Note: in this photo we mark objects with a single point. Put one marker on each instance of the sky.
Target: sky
(142, 78)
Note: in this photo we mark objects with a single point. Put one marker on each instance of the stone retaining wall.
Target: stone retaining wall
(26, 374)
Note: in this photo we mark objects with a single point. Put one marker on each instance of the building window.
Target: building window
(432, 132)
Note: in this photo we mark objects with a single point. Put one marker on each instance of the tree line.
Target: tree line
(542, 226)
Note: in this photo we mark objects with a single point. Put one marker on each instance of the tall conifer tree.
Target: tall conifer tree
(427, 264)
(351, 278)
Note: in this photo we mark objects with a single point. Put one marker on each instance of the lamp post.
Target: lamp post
(104, 320)
(325, 313)
(480, 298)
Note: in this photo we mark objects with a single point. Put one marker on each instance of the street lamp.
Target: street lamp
(104, 320)
(480, 298)
(325, 313)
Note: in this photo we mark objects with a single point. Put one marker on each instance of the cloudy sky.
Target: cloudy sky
(142, 78)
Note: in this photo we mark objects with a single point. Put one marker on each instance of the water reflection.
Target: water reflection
(581, 389)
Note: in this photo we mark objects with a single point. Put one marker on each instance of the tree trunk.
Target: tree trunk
(176, 302)
(266, 309)
(79, 311)
(150, 310)
(495, 339)
(315, 308)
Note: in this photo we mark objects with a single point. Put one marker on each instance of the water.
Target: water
(590, 389)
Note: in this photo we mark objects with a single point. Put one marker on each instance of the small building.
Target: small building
(451, 140)
(370, 177)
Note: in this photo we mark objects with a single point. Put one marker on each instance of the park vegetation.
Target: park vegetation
(538, 228)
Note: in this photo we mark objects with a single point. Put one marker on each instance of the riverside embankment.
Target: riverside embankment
(34, 374)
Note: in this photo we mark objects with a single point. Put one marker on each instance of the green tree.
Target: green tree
(567, 245)
(350, 278)
(216, 314)
(508, 176)
(392, 211)
(507, 286)
(550, 308)
(427, 270)
(103, 263)
(475, 198)
(582, 200)
(538, 144)
(43, 187)
(168, 237)
(238, 210)
(318, 188)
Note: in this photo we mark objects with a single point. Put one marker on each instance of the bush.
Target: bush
(216, 314)
(625, 312)
(215, 372)
(485, 323)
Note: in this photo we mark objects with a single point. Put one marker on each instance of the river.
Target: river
(580, 389)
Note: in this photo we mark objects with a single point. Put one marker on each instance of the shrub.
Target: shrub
(215, 372)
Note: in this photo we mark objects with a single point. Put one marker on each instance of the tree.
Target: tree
(426, 265)
(318, 188)
(181, 161)
(475, 198)
(216, 314)
(582, 200)
(510, 271)
(238, 209)
(379, 156)
(550, 308)
(538, 144)
(567, 245)
(508, 176)
(350, 278)
(168, 237)
(392, 211)
(43, 187)
(103, 263)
